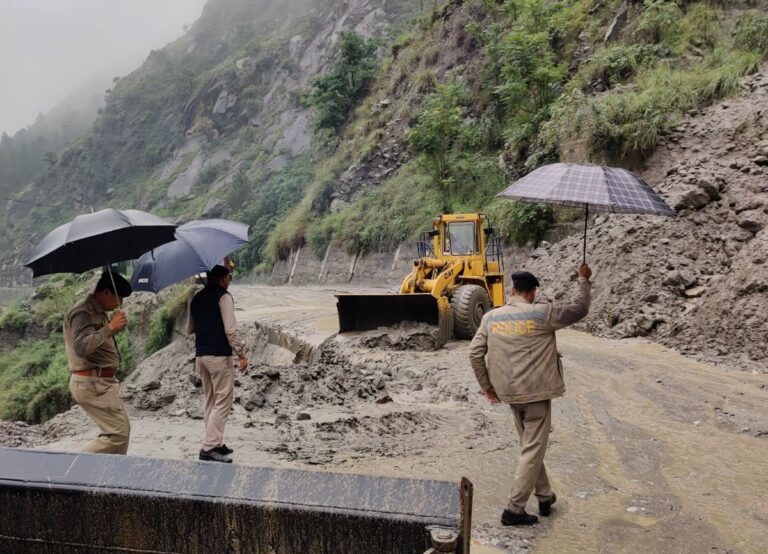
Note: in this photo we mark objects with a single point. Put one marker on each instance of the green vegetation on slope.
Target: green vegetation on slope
(333, 95)
(34, 379)
(548, 78)
(160, 332)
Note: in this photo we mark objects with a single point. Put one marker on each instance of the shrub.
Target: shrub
(14, 318)
(751, 32)
(520, 223)
(436, 132)
(239, 191)
(334, 94)
(617, 64)
(661, 21)
(33, 380)
(160, 332)
(380, 220)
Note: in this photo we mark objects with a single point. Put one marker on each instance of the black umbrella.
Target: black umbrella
(98, 239)
(604, 189)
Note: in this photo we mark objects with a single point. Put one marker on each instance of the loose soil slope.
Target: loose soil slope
(697, 282)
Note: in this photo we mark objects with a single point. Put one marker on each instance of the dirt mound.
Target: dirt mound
(19, 434)
(697, 283)
(408, 335)
(167, 381)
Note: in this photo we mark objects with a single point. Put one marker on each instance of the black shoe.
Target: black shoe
(224, 450)
(545, 506)
(214, 456)
(511, 518)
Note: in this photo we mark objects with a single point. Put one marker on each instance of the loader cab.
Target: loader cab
(458, 235)
(470, 238)
(460, 238)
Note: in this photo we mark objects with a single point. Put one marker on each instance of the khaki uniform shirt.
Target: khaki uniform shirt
(88, 341)
(519, 340)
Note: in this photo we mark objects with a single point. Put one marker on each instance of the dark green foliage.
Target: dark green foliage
(334, 94)
(239, 192)
(520, 223)
(751, 32)
(617, 64)
(263, 202)
(160, 332)
(14, 318)
(380, 220)
(34, 380)
(661, 21)
(436, 133)
(528, 72)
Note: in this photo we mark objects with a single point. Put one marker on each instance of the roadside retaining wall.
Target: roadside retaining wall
(303, 267)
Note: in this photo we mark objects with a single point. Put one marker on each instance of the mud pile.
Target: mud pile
(19, 434)
(698, 282)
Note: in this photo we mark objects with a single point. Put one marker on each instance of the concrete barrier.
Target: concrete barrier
(65, 503)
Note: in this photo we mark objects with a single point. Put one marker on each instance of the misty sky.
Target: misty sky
(49, 48)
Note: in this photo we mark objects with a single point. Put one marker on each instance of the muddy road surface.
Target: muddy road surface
(650, 451)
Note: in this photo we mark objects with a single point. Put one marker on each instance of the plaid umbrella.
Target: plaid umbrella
(604, 189)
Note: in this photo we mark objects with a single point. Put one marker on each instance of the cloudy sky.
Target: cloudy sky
(50, 48)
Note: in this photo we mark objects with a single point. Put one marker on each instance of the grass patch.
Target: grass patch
(751, 32)
(34, 380)
(380, 220)
(160, 332)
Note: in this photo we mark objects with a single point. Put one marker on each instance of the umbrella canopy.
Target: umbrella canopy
(596, 187)
(199, 246)
(97, 239)
(605, 189)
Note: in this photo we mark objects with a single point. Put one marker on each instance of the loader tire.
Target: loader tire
(468, 304)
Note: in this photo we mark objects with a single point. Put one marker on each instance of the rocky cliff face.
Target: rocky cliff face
(698, 282)
(222, 99)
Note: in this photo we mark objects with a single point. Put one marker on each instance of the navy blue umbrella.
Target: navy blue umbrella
(199, 246)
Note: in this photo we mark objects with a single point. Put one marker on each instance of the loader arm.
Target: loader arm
(438, 288)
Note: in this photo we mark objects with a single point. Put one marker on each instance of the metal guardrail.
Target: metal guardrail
(65, 503)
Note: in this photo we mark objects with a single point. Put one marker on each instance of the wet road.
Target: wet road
(651, 451)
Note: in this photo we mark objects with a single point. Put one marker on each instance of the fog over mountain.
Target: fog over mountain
(49, 48)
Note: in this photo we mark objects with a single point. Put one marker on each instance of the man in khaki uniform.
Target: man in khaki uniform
(89, 337)
(523, 369)
(212, 320)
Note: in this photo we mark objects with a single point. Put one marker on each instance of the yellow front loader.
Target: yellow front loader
(458, 276)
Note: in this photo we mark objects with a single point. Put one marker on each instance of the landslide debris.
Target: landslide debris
(697, 283)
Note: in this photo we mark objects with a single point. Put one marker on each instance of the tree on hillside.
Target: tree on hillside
(333, 95)
(438, 128)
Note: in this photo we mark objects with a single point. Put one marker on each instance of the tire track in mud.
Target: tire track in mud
(677, 472)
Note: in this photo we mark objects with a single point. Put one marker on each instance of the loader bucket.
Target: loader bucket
(67, 503)
(364, 312)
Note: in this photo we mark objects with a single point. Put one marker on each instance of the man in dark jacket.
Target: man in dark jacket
(212, 320)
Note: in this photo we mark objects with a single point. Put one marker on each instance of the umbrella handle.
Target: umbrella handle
(586, 218)
(114, 288)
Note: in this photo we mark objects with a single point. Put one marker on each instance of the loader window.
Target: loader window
(460, 238)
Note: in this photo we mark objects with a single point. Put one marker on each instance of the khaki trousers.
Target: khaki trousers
(533, 422)
(218, 376)
(100, 398)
